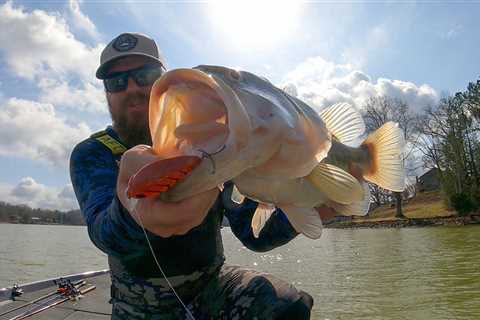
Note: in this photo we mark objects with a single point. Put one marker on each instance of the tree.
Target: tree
(471, 98)
(450, 142)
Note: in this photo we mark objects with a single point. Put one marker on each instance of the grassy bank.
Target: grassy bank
(425, 209)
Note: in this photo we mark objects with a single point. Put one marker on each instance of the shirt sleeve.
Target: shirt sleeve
(94, 171)
(276, 232)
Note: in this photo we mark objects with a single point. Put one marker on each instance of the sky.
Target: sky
(349, 51)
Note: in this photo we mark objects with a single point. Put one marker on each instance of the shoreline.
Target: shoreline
(377, 224)
(44, 224)
(408, 222)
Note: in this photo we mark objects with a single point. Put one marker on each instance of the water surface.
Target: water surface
(410, 273)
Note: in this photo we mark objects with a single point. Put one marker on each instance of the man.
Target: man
(185, 236)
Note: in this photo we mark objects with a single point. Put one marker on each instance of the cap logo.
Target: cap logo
(125, 42)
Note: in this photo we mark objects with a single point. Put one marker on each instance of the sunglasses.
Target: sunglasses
(144, 76)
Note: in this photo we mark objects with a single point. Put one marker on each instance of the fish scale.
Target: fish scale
(274, 147)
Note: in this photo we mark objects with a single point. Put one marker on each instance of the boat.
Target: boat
(79, 296)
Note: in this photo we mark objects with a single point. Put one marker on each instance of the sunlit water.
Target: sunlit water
(424, 273)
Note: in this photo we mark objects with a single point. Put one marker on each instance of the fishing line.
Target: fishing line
(206, 155)
(189, 314)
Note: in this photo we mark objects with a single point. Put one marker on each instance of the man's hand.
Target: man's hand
(161, 218)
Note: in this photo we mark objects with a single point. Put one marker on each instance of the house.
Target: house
(429, 181)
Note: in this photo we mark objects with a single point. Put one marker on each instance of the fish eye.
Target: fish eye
(234, 75)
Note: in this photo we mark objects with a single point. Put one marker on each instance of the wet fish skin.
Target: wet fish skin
(275, 148)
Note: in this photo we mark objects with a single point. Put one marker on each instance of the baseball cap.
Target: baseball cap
(128, 44)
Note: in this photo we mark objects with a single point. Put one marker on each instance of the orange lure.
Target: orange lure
(160, 176)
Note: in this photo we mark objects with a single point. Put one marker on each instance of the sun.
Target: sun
(260, 23)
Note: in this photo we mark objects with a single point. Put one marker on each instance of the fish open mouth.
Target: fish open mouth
(188, 121)
(187, 114)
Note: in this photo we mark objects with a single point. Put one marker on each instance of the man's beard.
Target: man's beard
(131, 131)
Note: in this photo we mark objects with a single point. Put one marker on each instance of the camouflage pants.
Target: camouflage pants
(231, 292)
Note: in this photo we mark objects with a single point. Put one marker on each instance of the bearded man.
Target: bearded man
(186, 243)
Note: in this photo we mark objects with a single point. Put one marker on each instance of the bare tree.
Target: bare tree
(471, 98)
(450, 142)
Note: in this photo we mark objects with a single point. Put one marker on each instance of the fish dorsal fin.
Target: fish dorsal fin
(260, 217)
(304, 220)
(338, 185)
(236, 196)
(357, 208)
(343, 121)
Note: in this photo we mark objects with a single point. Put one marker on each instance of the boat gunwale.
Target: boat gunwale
(6, 293)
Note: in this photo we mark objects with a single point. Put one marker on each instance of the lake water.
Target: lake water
(410, 273)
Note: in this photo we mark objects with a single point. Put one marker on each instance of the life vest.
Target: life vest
(115, 146)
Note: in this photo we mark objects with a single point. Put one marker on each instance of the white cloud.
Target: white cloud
(32, 130)
(39, 43)
(80, 20)
(39, 46)
(89, 97)
(36, 195)
(322, 83)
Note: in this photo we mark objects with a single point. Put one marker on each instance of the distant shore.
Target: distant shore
(43, 224)
(391, 223)
(408, 222)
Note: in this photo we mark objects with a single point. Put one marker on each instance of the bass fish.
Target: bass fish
(212, 124)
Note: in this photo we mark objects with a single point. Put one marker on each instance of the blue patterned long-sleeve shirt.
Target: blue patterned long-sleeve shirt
(94, 171)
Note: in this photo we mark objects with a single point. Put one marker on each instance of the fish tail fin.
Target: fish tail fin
(343, 121)
(385, 147)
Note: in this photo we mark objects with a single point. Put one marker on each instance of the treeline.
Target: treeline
(24, 214)
(449, 140)
(445, 136)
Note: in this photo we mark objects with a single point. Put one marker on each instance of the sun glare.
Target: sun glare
(260, 23)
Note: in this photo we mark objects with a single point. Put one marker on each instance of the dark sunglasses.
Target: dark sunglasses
(143, 76)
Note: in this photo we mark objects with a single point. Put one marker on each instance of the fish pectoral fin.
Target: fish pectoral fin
(343, 121)
(385, 146)
(357, 208)
(304, 220)
(236, 196)
(260, 217)
(338, 185)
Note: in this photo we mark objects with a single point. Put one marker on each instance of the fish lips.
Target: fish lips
(192, 113)
(189, 105)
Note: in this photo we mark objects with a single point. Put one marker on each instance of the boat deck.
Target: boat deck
(93, 306)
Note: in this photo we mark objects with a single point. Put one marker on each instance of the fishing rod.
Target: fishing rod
(56, 303)
(11, 293)
(59, 290)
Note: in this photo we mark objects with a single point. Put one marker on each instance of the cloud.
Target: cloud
(39, 43)
(453, 32)
(36, 195)
(322, 83)
(81, 21)
(32, 130)
(89, 97)
(41, 48)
